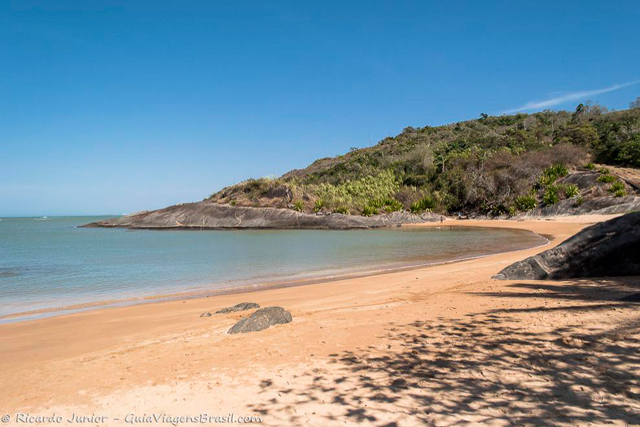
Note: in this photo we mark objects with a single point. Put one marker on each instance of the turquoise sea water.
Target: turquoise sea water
(50, 263)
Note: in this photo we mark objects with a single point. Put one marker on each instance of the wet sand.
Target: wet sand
(439, 345)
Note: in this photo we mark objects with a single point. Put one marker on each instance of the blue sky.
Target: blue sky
(113, 107)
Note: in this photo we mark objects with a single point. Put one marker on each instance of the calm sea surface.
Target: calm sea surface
(50, 263)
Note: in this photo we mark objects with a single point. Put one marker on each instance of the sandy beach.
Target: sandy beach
(442, 345)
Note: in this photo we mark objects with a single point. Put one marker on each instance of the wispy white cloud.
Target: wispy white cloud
(566, 97)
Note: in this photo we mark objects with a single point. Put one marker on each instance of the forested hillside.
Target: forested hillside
(491, 165)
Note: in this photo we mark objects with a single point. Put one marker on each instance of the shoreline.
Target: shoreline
(253, 285)
(356, 349)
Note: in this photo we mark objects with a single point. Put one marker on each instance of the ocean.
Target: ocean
(48, 264)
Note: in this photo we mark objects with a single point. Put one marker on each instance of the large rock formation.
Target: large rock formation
(210, 215)
(610, 248)
(262, 319)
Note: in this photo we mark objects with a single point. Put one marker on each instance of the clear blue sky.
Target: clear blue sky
(117, 106)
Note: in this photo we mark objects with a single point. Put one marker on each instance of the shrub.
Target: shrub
(546, 179)
(579, 201)
(427, 203)
(590, 166)
(606, 178)
(342, 210)
(570, 190)
(526, 203)
(298, 206)
(387, 203)
(513, 211)
(618, 189)
(552, 173)
(499, 209)
(630, 153)
(604, 170)
(318, 205)
(550, 196)
(559, 170)
(369, 210)
(376, 203)
(393, 205)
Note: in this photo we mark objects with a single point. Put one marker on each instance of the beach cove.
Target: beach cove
(446, 343)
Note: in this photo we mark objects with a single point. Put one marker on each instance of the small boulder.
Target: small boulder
(239, 307)
(205, 314)
(262, 319)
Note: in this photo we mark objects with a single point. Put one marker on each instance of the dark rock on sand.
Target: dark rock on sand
(631, 298)
(205, 314)
(211, 215)
(610, 248)
(262, 319)
(239, 307)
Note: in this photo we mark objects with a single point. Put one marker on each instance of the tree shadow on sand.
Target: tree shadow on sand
(483, 368)
(600, 289)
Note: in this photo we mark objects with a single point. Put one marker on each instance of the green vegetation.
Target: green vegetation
(618, 189)
(427, 203)
(551, 174)
(369, 210)
(526, 203)
(357, 192)
(550, 196)
(342, 210)
(298, 206)
(606, 178)
(559, 170)
(489, 166)
(570, 190)
(387, 204)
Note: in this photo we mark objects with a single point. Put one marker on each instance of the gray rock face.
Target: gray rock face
(210, 215)
(239, 307)
(598, 206)
(262, 319)
(610, 248)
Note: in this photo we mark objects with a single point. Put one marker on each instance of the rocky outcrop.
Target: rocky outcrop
(595, 197)
(239, 307)
(606, 205)
(262, 319)
(211, 215)
(610, 248)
